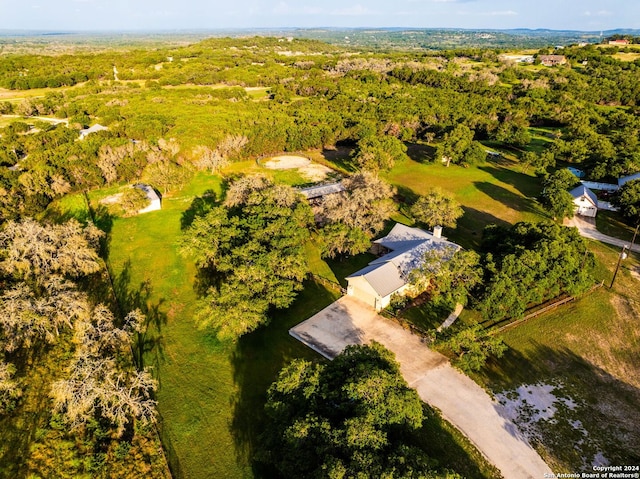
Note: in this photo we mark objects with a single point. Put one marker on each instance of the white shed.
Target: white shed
(154, 200)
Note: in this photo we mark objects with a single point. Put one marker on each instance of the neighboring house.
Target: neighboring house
(624, 179)
(585, 201)
(552, 60)
(154, 199)
(95, 128)
(576, 172)
(389, 274)
(622, 41)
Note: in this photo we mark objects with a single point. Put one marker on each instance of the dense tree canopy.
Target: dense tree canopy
(352, 417)
(437, 208)
(529, 263)
(354, 216)
(252, 248)
(628, 200)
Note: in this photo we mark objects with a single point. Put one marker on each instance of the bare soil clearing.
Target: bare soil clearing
(314, 172)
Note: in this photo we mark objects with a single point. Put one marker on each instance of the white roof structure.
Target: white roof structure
(390, 272)
(95, 128)
(152, 196)
(624, 179)
(583, 191)
(321, 190)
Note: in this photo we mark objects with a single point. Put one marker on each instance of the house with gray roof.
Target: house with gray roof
(625, 179)
(402, 251)
(585, 201)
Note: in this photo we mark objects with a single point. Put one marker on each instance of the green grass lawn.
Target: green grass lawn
(496, 192)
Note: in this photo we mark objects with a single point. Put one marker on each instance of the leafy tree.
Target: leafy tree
(530, 263)
(166, 175)
(473, 346)
(555, 197)
(31, 251)
(458, 147)
(445, 271)
(357, 213)
(134, 199)
(628, 200)
(28, 315)
(352, 417)
(252, 248)
(10, 389)
(101, 383)
(379, 152)
(437, 208)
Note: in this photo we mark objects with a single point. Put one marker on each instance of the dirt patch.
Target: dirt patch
(315, 172)
(111, 200)
(286, 162)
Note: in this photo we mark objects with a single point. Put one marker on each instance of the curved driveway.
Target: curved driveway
(461, 401)
(587, 228)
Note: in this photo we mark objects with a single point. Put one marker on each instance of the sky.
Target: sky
(57, 15)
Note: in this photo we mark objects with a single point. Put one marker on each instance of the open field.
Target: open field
(587, 352)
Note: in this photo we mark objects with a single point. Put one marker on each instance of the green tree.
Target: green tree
(555, 197)
(356, 214)
(133, 200)
(253, 250)
(352, 417)
(437, 208)
(458, 147)
(530, 263)
(445, 271)
(628, 200)
(379, 152)
(473, 346)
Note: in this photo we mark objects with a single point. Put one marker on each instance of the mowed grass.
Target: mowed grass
(211, 393)
(196, 378)
(495, 192)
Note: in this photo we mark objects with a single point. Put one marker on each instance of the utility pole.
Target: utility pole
(623, 255)
(635, 233)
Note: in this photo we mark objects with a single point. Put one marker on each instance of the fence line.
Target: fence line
(545, 309)
(328, 283)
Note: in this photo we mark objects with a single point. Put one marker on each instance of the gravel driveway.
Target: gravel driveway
(587, 228)
(461, 401)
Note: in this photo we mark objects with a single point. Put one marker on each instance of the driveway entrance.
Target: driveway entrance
(460, 400)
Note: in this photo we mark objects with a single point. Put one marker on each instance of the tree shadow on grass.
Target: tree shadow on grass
(149, 345)
(527, 186)
(199, 207)
(508, 198)
(257, 360)
(604, 405)
(421, 153)
(468, 232)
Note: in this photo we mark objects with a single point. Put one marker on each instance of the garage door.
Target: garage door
(363, 296)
